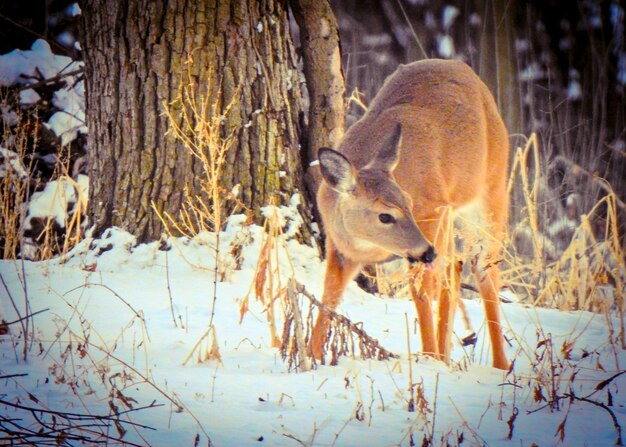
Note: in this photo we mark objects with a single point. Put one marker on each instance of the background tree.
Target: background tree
(135, 54)
(325, 82)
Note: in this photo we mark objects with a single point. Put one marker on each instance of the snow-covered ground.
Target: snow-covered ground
(107, 340)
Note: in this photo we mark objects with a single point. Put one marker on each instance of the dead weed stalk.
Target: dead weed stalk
(15, 179)
(196, 120)
(269, 285)
(50, 237)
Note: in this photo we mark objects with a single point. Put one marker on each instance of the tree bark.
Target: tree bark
(135, 56)
(498, 59)
(324, 79)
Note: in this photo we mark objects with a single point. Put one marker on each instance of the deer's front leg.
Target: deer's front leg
(339, 272)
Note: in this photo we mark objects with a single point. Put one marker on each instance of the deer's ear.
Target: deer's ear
(337, 170)
(389, 154)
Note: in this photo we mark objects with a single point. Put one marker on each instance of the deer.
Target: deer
(431, 140)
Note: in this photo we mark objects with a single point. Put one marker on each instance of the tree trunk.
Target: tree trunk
(498, 59)
(135, 57)
(324, 79)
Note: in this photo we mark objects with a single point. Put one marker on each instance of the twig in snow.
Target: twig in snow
(370, 347)
(9, 323)
(169, 289)
(616, 424)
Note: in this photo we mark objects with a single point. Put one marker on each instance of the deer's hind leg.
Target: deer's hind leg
(487, 273)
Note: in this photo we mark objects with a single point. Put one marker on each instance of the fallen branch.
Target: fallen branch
(371, 343)
(23, 318)
(618, 427)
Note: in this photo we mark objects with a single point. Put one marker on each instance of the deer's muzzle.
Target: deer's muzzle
(427, 257)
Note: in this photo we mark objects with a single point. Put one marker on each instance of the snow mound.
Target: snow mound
(39, 63)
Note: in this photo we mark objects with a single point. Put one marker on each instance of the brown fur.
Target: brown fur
(453, 152)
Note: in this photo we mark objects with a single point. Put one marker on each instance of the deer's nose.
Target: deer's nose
(429, 255)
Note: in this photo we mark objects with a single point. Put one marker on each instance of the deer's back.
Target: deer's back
(454, 143)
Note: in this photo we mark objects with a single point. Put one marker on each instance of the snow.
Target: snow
(29, 97)
(53, 200)
(522, 45)
(120, 319)
(449, 15)
(9, 116)
(22, 67)
(66, 38)
(593, 13)
(532, 72)
(574, 90)
(10, 161)
(474, 19)
(73, 10)
(621, 68)
(71, 118)
(445, 46)
(109, 328)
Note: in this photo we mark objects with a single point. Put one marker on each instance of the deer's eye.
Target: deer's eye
(386, 218)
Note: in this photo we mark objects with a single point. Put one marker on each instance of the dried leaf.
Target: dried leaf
(359, 414)
(243, 309)
(566, 350)
(127, 401)
(538, 394)
(604, 383)
(511, 422)
(560, 431)
(121, 430)
(214, 352)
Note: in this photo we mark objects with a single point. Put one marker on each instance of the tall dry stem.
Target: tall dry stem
(196, 117)
(197, 121)
(15, 179)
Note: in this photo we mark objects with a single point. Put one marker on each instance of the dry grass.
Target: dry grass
(197, 121)
(15, 183)
(588, 273)
(49, 238)
(86, 361)
(273, 284)
(196, 118)
(270, 284)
